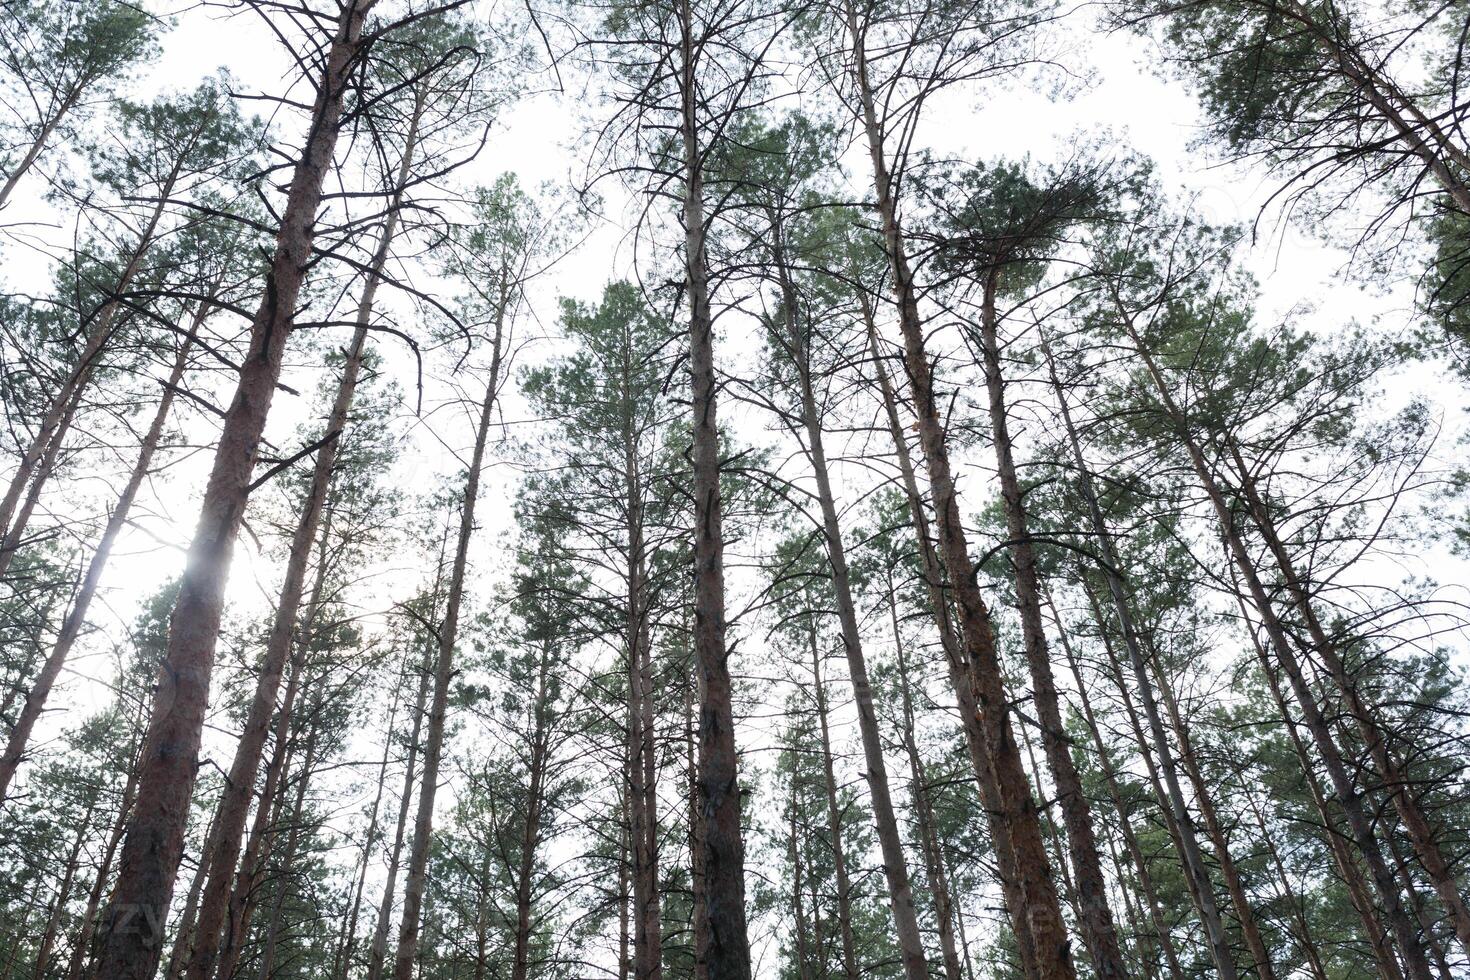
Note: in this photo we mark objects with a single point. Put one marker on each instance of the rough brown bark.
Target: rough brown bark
(134, 926)
(235, 801)
(1095, 915)
(895, 863)
(1050, 944)
(961, 667)
(71, 627)
(723, 859)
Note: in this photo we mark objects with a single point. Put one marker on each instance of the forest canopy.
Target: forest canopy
(734, 489)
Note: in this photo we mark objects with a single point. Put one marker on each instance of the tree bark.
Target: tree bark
(378, 950)
(895, 863)
(834, 818)
(235, 801)
(723, 862)
(1125, 823)
(962, 668)
(1042, 909)
(1095, 915)
(134, 926)
(1396, 782)
(923, 808)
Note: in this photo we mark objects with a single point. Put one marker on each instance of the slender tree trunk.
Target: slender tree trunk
(343, 965)
(531, 835)
(1205, 801)
(150, 858)
(287, 864)
(1047, 929)
(1115, 793)
(33, 152)
(834, 818)
(63, 895)
(82, 950)
(895, 863)
(923, 810)
(963, 669)
(798, 908)
(71, 627)
(188, 921)
(1358, 892)
(728, 953)
(1095, 916)
(642, 764)
(416, 878)
(378, 950)
(698, 910)
(251, 872)
(1293, 901)
(1347, 793)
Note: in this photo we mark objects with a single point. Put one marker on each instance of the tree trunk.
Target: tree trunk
(150, 858)
(1125, 823)
(416, 878)
(1182, 821)
(41, 454)
(1228, 870)
(63, 895)
(80, 953)
(378, 950)
(798, 909)
(698, 910)
(963, 669)
(288, 858)
(923, 810)
(834, 818)
(1051, 948)
(1373, 930)
(1397, 783)
(895, 863)
(33, 152)
(642, 763)
(235, 801)
(531, 835)
(343, 965)
(728, 953)
(71, 628)
(1095, 916)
